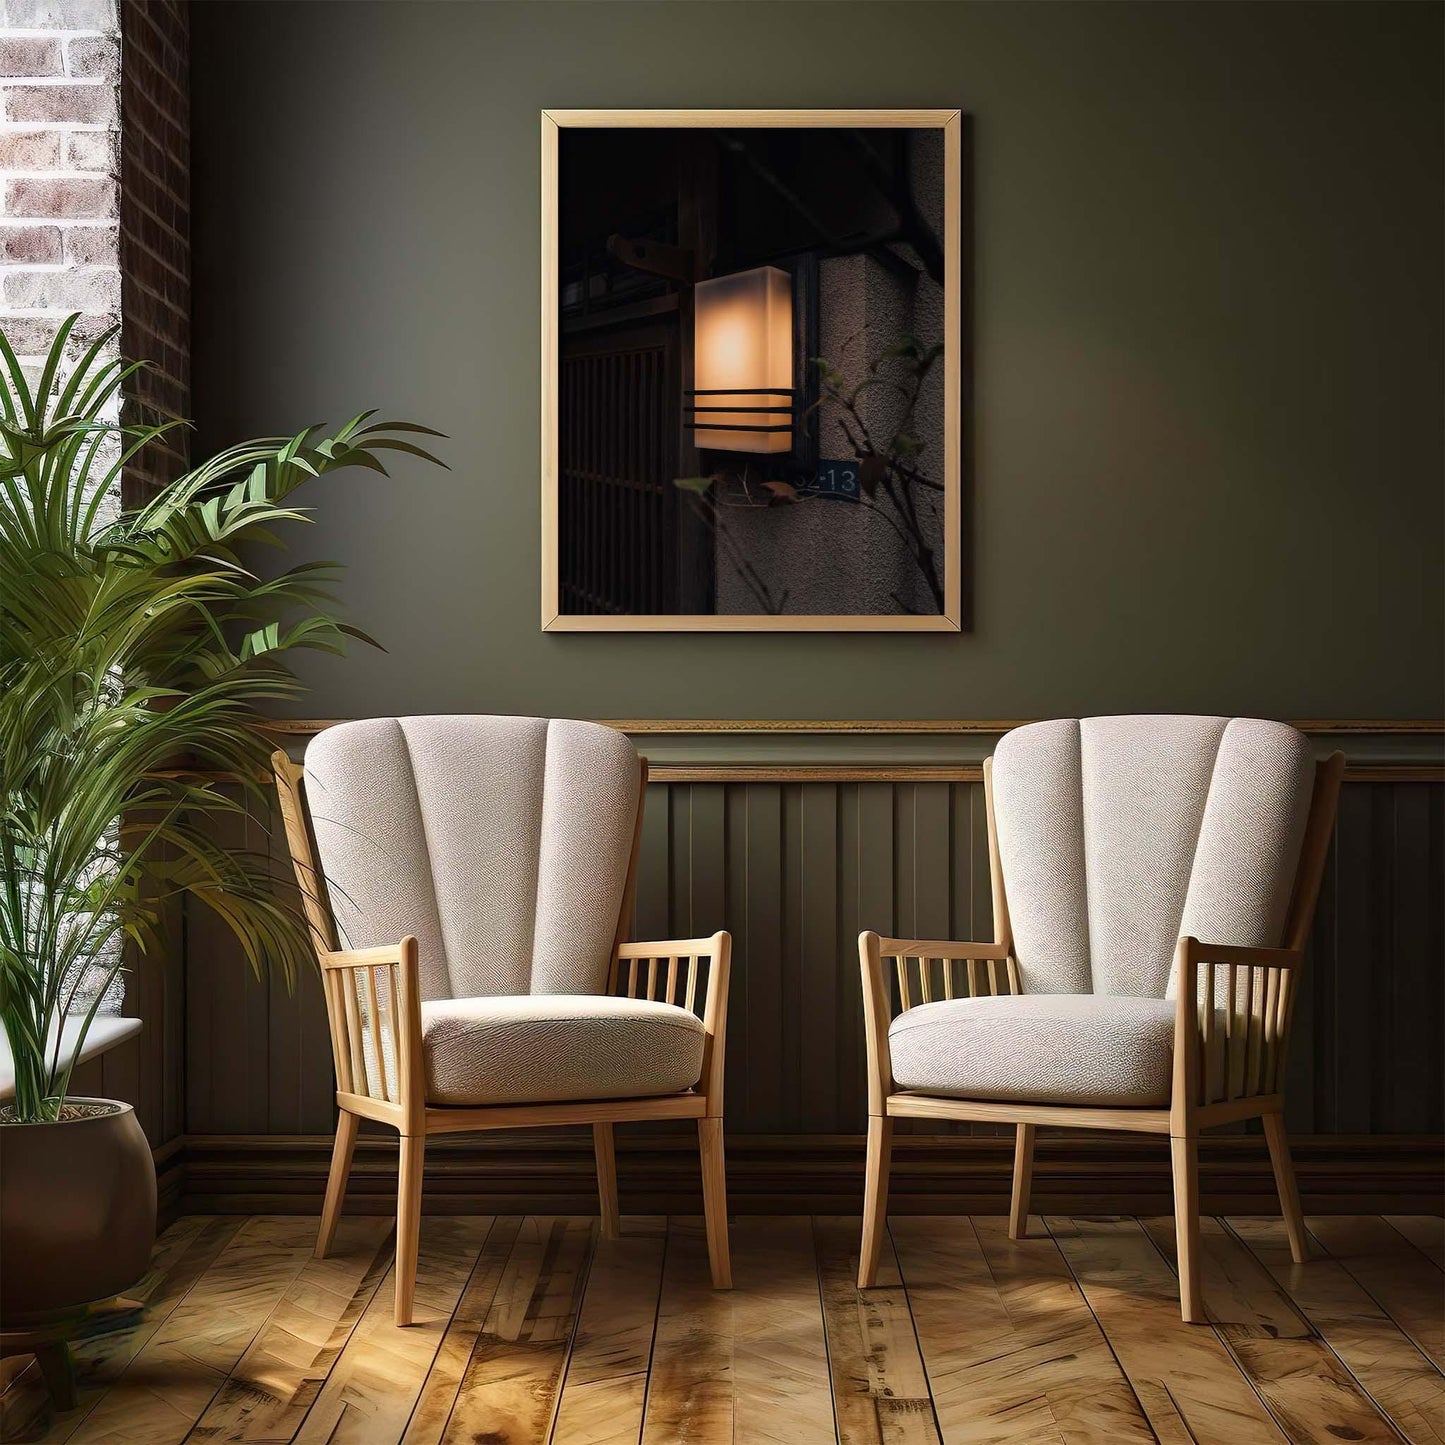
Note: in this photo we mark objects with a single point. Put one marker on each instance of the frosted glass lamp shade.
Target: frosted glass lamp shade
(742, 399)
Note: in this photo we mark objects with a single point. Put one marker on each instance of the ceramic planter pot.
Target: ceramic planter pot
(77, 1211)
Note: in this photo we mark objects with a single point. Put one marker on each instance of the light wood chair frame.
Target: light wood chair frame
(1215, 1081)
(388, 980)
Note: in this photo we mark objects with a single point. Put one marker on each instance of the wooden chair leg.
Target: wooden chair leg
(715, 1200)
(341, 1153)
(408, 1222)
(1284, 1180)
(875, 1197)
(1185, 1151)
(606, 1179)
(1018, 1215)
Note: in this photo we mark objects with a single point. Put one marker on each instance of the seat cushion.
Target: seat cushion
(1038, 1049)
(543, 1048)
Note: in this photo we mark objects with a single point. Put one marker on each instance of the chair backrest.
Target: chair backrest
(502, 843)
(1118, 834)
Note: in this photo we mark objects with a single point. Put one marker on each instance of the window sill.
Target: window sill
(105, 1033)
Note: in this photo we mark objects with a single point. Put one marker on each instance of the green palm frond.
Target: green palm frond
(135, 654)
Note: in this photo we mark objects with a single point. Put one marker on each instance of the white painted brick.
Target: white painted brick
(30, 55)
(83, 103)
(93, 289)
(32, 335)
(59, 172)
(61, 197)
(92, 245)
(60, 14)
(92, 150)
(30, 150)
(95, 56)
(31, 245)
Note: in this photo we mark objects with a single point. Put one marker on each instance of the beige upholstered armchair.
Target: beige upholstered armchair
(468, 883)
(1154, 880)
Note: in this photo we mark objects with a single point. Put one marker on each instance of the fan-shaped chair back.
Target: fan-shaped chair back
(502, 843)
(1118, 834)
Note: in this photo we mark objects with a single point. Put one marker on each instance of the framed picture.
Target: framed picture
(752, 370)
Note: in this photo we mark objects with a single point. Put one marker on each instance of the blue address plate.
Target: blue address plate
(838, 480)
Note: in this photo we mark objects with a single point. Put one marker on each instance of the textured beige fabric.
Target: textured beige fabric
(589, 816)
(1249, 843)
(480, 784)
(502, 843)
(538, 1049)
(371, 843)
(1037, 1048)
(1039, 809)
(1145, 784)
(1118, 834)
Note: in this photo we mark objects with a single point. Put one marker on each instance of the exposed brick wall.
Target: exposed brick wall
(59, 163)
(94, 217)
(155, 221)
(95, 192)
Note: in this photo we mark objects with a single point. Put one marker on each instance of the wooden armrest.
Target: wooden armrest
(874, 951)
(672, 947)
(1230, 1032)
(384, 954)
(1198, 952)
(396, 1008)
(938, 948)
(666, 971)
(955, 975)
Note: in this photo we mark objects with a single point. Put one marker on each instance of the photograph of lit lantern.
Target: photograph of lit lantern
(743, 362)
(753, 381)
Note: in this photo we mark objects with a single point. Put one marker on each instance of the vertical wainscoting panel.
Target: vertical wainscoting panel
(258, 1055)
(1365, 1053)
(795, 869)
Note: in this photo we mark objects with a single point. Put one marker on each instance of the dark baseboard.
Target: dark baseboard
(775, 1174)
(170, 1161)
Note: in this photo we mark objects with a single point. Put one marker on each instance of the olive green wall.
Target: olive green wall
(1207, 336)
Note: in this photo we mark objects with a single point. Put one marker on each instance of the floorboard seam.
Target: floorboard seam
(1104, 1335)
(656, 1322)
(1317, 1333)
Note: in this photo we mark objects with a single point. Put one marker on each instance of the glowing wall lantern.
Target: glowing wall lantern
(743, 362)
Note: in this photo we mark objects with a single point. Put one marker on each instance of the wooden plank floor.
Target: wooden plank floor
(536, 1330)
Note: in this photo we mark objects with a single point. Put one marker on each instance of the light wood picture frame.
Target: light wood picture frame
(682, 249)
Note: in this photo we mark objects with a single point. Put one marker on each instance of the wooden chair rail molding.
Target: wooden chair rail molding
(1434, 726)
(744, 750)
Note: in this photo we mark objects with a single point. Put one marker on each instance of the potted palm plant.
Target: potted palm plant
(136, 646)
